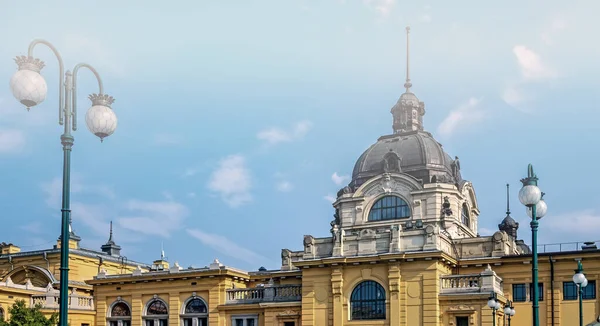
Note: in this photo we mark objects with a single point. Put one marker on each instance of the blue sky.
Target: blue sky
(238, 120)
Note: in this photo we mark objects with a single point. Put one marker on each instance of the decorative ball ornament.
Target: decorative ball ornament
(101, 120)
(540, 209)
(27, 85)
(530, 195)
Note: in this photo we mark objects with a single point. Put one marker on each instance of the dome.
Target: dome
(416, 153)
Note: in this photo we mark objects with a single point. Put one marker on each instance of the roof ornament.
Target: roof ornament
(507, 199)
(407, 84)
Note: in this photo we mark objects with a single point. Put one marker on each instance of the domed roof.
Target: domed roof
(410, 149)
(416, 153)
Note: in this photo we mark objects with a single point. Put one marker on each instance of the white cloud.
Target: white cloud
(284, 186)
(275, 135)
(227, 247)
(532, 67)
(425, 18)
(464, 116)
(232, 181)
(556, 27)
(53, 190)
(339, 179)
(330, 198)
(191, 195)
(382, 7)
(11, 141)
(159, 218)
(554, 230)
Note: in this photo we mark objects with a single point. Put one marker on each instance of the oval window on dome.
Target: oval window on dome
(389, 208)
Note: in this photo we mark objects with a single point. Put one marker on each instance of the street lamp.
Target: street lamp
(581, 281)
(509, 311)
(495, 305)
(531, 196)
(29, 87)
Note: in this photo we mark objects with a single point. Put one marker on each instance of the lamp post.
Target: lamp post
(29, 87)
(532, 197)
(581, 281)
(509, 311)
(495, 305)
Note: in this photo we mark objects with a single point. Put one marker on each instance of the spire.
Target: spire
(162, 251)
(507, 199)
(509, 225)
(407, 84)
(110, 237)
(408, 111)
(110, 247)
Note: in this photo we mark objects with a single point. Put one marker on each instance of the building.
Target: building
(404, 250)
(33, 276)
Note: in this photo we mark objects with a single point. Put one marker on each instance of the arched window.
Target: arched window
(389, 208)
(464, 216)
(367, 301)
(157, 313)
(120, 314)
(195, 312)
(1, 314)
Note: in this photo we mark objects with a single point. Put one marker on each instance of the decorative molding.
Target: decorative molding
(461, 308)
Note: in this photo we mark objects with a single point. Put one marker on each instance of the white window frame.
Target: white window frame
(245, 318)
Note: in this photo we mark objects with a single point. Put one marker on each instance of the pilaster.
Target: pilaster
(394, 289)
(337, 283)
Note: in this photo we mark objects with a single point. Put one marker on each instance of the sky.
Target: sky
(240, 120)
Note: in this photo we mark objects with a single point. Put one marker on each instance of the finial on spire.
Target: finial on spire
(110, 236)
(162, 251)
(407, 84)
(507, 199)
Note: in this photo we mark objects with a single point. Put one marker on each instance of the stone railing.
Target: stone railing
(278, 293)
(485, 282)
(51, 301)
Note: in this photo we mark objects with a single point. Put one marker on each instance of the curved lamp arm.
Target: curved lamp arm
(74, 94)
(61, 67)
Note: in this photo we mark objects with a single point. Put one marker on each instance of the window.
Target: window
(195, 312)
(540, 291)
(120, 314)
(389, 208)
(244, 320)
(519, 293)
(367, 301)
(464, 215)
(289, 323)
(462, 321)
(157, 313)
(570, 291)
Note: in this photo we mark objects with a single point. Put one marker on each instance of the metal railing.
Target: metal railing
(568, 246)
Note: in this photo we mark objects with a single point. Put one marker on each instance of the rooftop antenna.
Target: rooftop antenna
(407, 84)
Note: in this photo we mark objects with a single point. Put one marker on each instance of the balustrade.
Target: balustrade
(279, 293)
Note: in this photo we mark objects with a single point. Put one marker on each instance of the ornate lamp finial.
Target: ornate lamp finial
(407, 84)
